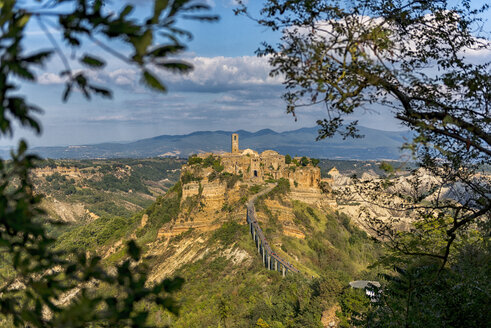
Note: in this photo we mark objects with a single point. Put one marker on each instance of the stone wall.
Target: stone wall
(213, 195)
(189, 190)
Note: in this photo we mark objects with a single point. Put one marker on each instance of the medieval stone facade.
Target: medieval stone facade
(205, 194)
(269, 164)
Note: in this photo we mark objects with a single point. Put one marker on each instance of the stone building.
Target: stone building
(269, 164)
(204, 194)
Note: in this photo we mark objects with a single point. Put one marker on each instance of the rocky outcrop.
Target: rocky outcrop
(313, 196)
(212, 183)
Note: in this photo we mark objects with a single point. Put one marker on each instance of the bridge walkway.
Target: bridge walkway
(270, 259)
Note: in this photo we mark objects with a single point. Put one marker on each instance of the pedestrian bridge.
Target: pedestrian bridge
(270, 259)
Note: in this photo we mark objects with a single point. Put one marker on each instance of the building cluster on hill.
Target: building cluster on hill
(301, 172)
(212, 183)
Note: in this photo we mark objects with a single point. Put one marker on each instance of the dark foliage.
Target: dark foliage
(41, 273)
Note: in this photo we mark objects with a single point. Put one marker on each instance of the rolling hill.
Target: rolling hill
(375, 145)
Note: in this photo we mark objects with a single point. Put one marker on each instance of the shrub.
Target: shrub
(304, 161)
(281, 188)
(229, 233)
(230, 179)
(194, 159)
(255, 189)
(188, 177)
(165, 209)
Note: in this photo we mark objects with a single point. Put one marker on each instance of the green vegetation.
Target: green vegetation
(164, 209)
(288, 159)
(304, 161)
(423, 69)
(228, 233)
(229, 179)
(334, 244)
(115, 297)
(116, 187)
(281, 188)
(314, 161)
(213, 161)
(219, 292)
(194, 159)
(255, 189)
(387, 167)
(188, 177)
(354, 305)
(90, 236)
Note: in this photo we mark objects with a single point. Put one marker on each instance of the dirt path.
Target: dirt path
(253, 198)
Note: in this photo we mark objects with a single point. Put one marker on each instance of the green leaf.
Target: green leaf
(92, 61)
(142, 43)
(126, 11)
(23, 20)
(133, 250)
(68, 90)
(20, 70)
(101, 91)
(166, 50)
(177, 66)
(151, 81)
(197, 7)
(38, 58)
(159, 6)
(206, 18)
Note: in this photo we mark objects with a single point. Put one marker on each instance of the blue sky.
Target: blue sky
(229, 90)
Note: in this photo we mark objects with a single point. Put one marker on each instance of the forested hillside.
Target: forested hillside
(76, 190)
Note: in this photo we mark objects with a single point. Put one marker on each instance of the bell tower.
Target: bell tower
(235, 143)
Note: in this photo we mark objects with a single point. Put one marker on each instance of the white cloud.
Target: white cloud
(50, 78)
(214, 74)
(210, 75)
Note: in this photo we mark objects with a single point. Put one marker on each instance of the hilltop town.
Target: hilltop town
(211, 182)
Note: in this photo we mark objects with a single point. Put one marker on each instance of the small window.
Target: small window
(255, 173)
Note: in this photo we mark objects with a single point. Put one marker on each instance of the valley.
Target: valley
(190, 219)
(259, 238)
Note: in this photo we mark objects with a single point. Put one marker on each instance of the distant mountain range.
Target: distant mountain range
(375, 145)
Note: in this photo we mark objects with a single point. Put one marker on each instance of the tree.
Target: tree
(35, 276)
(410, 59)
(261, 323)
(288, 159)
(314, 161)
(365, 52)
(224, 310)
(406, 56)
(304, 161)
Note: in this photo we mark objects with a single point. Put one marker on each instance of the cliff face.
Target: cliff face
(216, 187)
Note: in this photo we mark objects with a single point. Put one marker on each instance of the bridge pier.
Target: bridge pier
(269, 261)
(264, 256)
